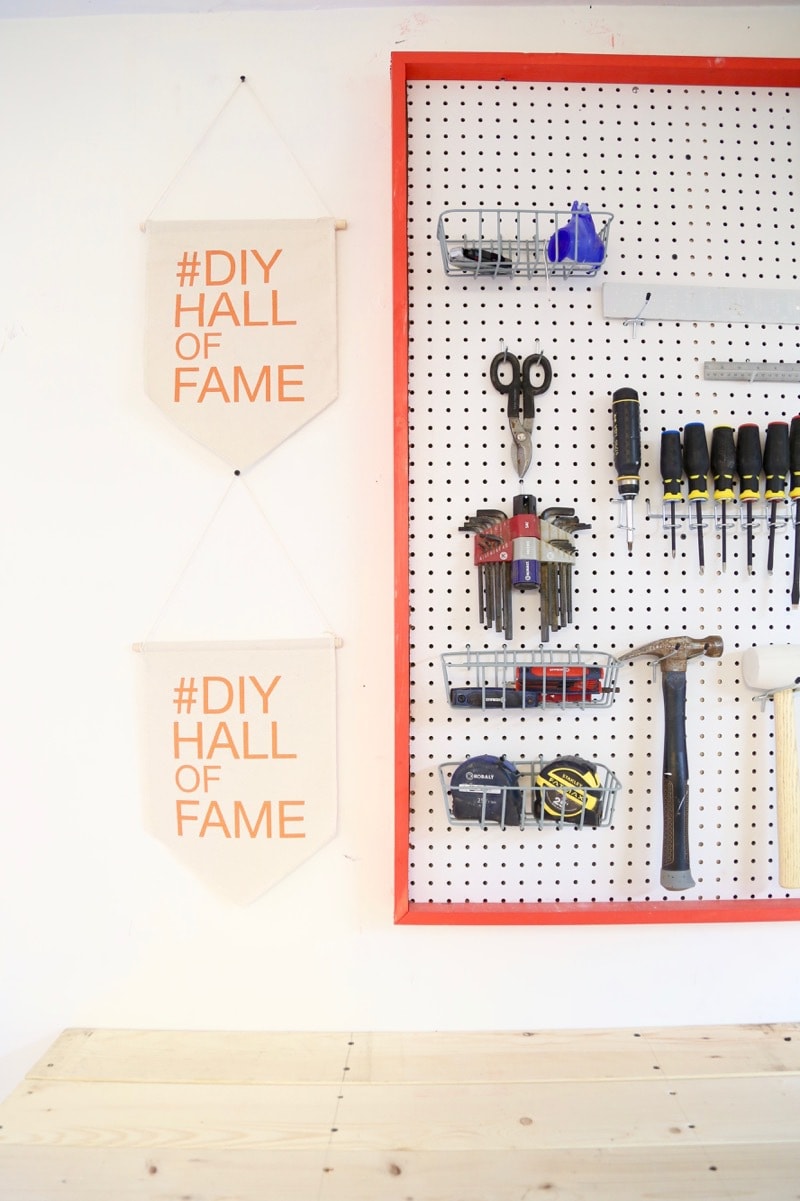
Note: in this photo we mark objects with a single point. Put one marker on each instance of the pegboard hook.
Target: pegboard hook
(638, 319)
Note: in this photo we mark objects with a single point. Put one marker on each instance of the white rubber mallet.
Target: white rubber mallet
(776, 670)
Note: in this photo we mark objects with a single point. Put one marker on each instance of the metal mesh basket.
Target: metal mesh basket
(529, 679)
(536, 800)
(512, 242)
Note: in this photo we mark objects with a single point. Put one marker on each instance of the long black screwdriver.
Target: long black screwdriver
(776, 468)
(723, 469)
(627, 450)
(672, 475)
(696, 465)
(794, 494)
(749, 463)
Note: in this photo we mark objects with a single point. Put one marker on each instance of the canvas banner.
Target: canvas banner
(240, 757)
(240, 329)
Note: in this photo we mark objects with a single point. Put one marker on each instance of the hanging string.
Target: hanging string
(192, 153)
(242, 82)
(281, 547)
(295, 568)
(187, 565)
(283, 141)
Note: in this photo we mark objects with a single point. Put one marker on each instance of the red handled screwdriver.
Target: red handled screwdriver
(748, 467)
(776, 469)
(696, 465)
(672, 475)
(794, 494)
(723, 469)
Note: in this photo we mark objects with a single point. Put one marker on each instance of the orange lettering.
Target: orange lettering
(285, 382)
(275, 318)
(239, 378)
(184, 817)
(181, 308)
(181, 383)
(222, 739)
(267, 266)
(226, 255)
(284, 818)
(213, 383)
(247, 318)
(265, 813)
(207, 681)
(275, 752)
(196, 739)
(223, 308)
(219, 824)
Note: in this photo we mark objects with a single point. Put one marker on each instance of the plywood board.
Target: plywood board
(700, 1113)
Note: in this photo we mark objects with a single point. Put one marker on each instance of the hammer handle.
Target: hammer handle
(675, 871)
(787, 790)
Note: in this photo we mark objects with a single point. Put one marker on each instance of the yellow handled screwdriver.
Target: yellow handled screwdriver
(794, 494)
(749, 463)
(723, 469)
(672, 475)
(696, 465)
(776, 469)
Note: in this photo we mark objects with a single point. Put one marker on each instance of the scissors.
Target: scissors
(529, 379)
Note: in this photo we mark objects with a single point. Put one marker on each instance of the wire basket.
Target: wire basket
(529, 679)
(535, 801)
(512, 242)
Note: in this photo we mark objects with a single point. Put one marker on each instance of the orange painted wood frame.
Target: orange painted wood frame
(561, 68)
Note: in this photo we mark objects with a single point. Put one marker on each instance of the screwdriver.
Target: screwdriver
(723, 468)
(696, 464)
(794, 494)
(627, 451)
(776, 468)
(748, 468)
(672, 475)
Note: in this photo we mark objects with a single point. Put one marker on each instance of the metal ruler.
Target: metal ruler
(772, 373)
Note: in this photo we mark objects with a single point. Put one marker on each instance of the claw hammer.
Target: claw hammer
(672, 655)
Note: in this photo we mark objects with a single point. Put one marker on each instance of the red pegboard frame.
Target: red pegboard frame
(564, 68)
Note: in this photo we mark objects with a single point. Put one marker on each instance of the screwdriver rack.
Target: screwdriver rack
(511, 242)
(711, 515)
(689, 215)
(595, 805)
(538, 678)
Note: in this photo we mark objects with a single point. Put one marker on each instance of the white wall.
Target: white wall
(103, 502)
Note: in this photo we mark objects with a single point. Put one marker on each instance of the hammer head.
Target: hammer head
(672, 654)
(771, 668)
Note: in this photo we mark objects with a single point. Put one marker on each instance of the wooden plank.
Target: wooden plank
(733, 1173)
(89, 1114)
(456, 1056)
(495, 1116)
(600, 1054)
(700, 1113)
(195, 1056)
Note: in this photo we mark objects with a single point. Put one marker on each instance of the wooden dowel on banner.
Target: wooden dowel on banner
(339, 224)
(140, 647)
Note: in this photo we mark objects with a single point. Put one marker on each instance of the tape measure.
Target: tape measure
(569, 790)
(483, 790)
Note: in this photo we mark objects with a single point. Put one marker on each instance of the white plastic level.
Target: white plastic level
(656, 302)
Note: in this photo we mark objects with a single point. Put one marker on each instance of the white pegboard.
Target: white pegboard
(700, 183)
